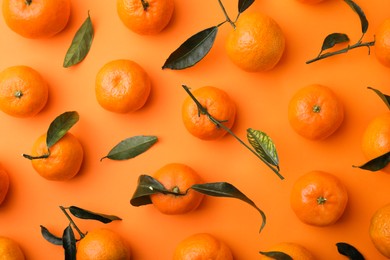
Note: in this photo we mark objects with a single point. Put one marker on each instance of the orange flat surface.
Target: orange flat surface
(262, 100)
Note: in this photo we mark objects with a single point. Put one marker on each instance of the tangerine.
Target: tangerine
(315, 112)
(256, 43)
(217, 103)
(294, 250)
(103, 244)
(145, 17)
(379, 230)
(122, 86)
(382, 43)
(311, 1)
(36, 19)
(376, 138)
(4, 184)
(202, 246)
(318, 198)
(59, 163)
(23, 91)
(10, 249)
(177, 178)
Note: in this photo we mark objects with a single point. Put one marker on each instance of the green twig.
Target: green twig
(226, 14)
(72, 222)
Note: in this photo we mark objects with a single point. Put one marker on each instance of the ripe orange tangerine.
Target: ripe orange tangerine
(382, 43)
(379, 230)
(177, 178)
(10, 249)
(4, 184)
(294, 250)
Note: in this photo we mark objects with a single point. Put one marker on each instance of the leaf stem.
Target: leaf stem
(202, 110)
(30, 157)
(226, 14)
(72, 222)
(344, 50)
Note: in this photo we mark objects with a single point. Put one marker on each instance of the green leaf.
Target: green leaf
(50, 237)
(224, 189)
(192, 50)
(277, 255)
(81, 44)
(131, 147)
(350, 251)
(264, 146)
(60, 126)
(147, 186)
(244, 4)
(385, 98)
(69, 243)
(332, 39)
(359, 11)
(376, 164)
(86, 214)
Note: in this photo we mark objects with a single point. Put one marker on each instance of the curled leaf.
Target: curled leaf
(131, 147)
(277, 255)
(80, 45)
(350, 251)
(385, 98)
(192, 50)
(332, 39)
(86, 214)
(359, 11)
(147, 186)
(376, 164)
(244, 4)
(50, 237)
(264, 146)
(69, 243)
(60, 126)
(224, 189)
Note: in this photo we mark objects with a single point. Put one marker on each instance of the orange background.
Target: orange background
(262, 100)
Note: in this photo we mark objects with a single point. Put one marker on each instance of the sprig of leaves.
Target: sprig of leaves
(57, 129)
(277, 255)
(337, 38)
(68, 239)
(263, 146)
(147, 185)
(196, 47)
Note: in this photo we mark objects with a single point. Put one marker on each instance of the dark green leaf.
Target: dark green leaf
(131, 147)
(376, 164)
(244, 4)
(81, 44)
(385, 98)
(332, 39)
(277, 255)
(60, 126)
(351, 252)
(264, 146)
(147, 186)
(224, 189)
(69, 243)
(50, 237)
(86, 214)
(359, 11)
(192, 50)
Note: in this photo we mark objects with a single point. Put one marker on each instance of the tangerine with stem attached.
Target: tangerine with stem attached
(294, 250)
(177, 178)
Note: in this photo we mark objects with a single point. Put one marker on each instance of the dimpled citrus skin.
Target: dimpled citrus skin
(382, 43)
(10, 250)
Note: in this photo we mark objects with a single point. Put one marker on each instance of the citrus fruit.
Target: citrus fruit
(318, 198)
(311, 1)
(102, 244)
(256, 43)
(376, 138)
(4, 184)
(217, 103)
(294, 250)
(122, 86)
(10, 249)
(382, 43)
(177, 178)
(36, 19)
(315, 112)
(202, 246)
(145, 16)
(379, 230)
(63, 161)
(23, 91)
